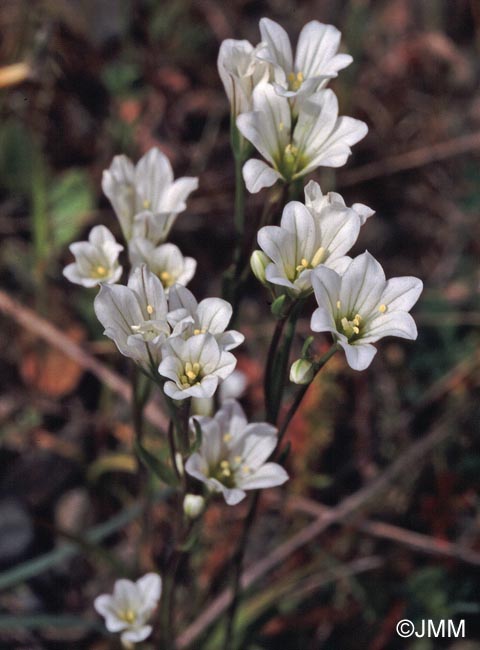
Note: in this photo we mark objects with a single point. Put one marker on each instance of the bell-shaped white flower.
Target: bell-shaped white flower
(361, 306)
(135, 316)
(130, 606)
(240, 71)
(166, 261)
(293, 148)
(190, 318)
(316, 58)
(145, 197)
(96, 260)
(194, 366)
(233, 454)
(305, 239)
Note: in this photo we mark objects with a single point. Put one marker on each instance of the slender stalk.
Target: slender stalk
(272, 351)
(237, 562)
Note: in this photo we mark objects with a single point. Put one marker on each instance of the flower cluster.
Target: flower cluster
(281, 104)
(281, 107)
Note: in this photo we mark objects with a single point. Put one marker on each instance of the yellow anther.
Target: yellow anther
(188, 366)
(246, 469)
(128, 616)
(291, 150)
(357, 319)
(303, 265)
(166, 278)
(295, 80)
(318, 257)
(191, 375)
(149, 309)
(356, 329)
(281, 126)
(101, 270)
(196, 368)
(237, 459)
(226, 472)
(198, 331)
(146, 204)
(345, 323)
(382, 309)
(339, 304)
(224, 464)
(227, 437)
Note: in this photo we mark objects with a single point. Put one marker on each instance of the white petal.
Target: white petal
(197, 467)
(316, 51)
(398, 323)
(257, 175)
(362, 285)
(153, 175)
(150, 587)
(402, 293)
(214, 314)
(322, 321)
(359, 356)
(231, 419)
(268, 475)
(136, 635)
(278, 43)
(326, 284)
(174, 198)
(363, 211)
(181, 298)
(233, 495)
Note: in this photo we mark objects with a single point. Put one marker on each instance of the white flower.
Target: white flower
(361, 306)
(240, 71)
(145, 197)
(293, 148)
(96, 260)
(190, 318)
(316, 202)
(194, 366)
(135, 316)
(233, 454)
(166, 261)
(130, 606)
(316, 59)
(305, 239)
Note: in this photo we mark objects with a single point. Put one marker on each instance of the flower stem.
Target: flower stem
(237, 564)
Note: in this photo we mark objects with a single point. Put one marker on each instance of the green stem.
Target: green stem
(278, 364)
(237, 563)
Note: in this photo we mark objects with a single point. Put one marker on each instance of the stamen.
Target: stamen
(146, 204)
(318, 257)
(227, 437)
(281, 126)
(101, 270)
(166, 278)
(246, 469)
(382, 309)
(149, 309)
(196, 332)
(136, 328)
(339, 304)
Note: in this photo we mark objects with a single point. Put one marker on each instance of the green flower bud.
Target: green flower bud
(259, 262)
(301, 371)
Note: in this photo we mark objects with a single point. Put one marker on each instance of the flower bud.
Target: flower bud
(193, 505)
(259, 262)
(301, 371)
